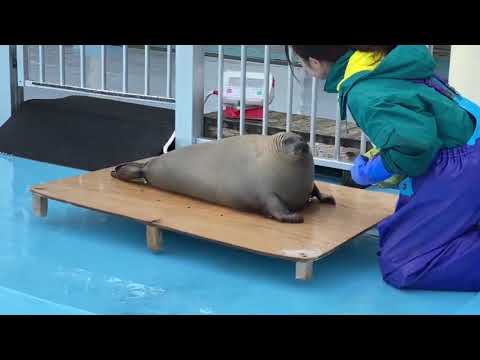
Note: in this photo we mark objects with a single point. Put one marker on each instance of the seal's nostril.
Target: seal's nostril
(302, 147)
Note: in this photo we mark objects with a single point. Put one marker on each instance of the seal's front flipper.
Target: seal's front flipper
(129, 172)
(274, 207)
(323, 199)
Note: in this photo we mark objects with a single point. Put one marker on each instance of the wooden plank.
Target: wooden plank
(303, 270)
(39, 205)
(154, 238)
(326, 227)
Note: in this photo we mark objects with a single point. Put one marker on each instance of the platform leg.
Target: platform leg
(303, 270)
(39, 205)
(154, 238)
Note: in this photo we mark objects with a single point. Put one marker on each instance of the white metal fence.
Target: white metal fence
(336, 162)
(189, 92)
(102, 89)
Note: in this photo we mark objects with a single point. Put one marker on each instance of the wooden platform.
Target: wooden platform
(326, 227)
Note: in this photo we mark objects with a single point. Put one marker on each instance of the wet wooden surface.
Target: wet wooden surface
(326, 227)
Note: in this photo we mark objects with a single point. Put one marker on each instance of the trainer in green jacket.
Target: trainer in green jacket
(409, 123)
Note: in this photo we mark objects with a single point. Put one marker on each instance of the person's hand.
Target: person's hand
(368, 172)
(358, 171)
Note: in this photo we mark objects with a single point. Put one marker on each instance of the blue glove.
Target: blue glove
(365, 172)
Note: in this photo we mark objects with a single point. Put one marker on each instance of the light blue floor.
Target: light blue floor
(77, 261)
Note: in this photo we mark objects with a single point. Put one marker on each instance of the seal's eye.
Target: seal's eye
(289, 141)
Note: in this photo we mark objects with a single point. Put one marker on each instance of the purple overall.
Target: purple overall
(432, 241)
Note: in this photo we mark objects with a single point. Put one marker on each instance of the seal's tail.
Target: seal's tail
(129, 171)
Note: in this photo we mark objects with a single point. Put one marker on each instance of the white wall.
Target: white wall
(464, 72)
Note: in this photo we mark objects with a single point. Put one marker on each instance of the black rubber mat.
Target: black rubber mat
(86, 132)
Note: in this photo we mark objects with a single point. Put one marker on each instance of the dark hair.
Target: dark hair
(332, 53)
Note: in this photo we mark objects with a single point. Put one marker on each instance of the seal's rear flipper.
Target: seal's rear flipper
(274, 207)
(129, 172)
(323, 199)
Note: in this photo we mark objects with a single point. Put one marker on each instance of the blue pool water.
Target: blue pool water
(77, 261)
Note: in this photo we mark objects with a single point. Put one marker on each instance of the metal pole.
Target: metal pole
(243, 86)
(61, 64)
(338, 128)
(220, 93)
(289, 95)
(147, 69)
(169, 71)
(189, 94)
(125, 68)
(82, 66)
(266, 87)
(313, 114)
(102, 67)
(41, 70)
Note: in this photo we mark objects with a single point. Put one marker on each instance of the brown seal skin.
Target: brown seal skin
(271, 175)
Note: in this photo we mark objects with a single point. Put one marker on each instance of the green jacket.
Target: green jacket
(409, 122)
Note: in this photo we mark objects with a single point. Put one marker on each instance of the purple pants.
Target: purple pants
(432, 241)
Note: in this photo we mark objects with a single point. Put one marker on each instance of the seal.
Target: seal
(272, 175)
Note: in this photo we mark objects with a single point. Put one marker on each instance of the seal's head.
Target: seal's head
(292, 145)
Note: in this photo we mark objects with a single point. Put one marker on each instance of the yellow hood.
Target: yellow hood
(361, 61)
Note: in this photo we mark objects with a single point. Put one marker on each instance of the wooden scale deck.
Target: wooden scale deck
(326, 227)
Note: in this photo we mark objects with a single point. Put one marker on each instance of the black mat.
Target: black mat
(86, 132)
